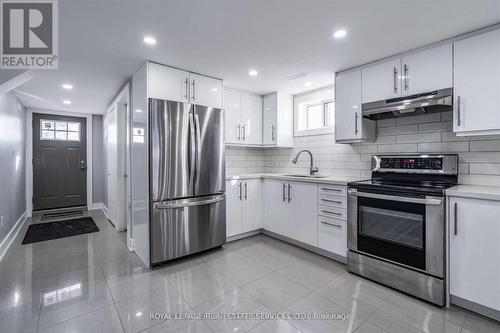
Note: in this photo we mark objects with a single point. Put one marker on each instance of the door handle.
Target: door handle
(244, 134)
(283, 191)
(188, 204)
(332, 225)
(425, 201)
(333, 201)
(193, 84)
(407, 71)
(83, 166)
(455, 208)
(198, 150)
(273, 135)
(193, 150)
(395, 80)
(246, 191)
(329, 212)
(289, 193)
(240, 189)
(356, 123)
(186, 86)
(459, 121)
(238, 132)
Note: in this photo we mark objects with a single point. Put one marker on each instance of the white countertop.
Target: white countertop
(475, 191)
(326, 180)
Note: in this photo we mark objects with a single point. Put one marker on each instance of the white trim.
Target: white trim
(96, 206)
(11, 236)
(16, 81)
(29, 152)
(317, 96)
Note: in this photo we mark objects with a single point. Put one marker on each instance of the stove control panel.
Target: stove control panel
(434, 163)
(438, 164)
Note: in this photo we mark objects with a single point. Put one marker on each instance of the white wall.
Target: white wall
(12, 163)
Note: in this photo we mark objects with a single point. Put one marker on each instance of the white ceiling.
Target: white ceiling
(101, 41)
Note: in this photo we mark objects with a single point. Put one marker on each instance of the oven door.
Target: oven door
(405, 230)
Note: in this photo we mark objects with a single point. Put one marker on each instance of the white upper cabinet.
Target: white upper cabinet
(278, 120)
(205, 90)
(232, 111)
(251, 119)
(349, 124)
(477, 85)
(427, 70)
(475, 251)
(415, 73)
(177, 85)
(381, 81)
(243, 117)
(168, 83)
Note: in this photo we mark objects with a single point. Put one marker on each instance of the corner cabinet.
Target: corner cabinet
(475, 254)
(173, 84)
(243, 117)
(350, 126)
(477, 85)
(244, 206)
(277, 120)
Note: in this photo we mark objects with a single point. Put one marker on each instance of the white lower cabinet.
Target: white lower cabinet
(475, 251)
(302, 225)
(243, 206)
(275, 212)
(332, 235)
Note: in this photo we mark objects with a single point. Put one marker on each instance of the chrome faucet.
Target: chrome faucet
(312, 168)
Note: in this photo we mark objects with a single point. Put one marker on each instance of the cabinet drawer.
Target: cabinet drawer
(331, 211)
(332, 190)
(332, 200)
(332, 235)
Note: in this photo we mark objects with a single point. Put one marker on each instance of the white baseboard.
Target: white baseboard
(9, 239)
(96, 205)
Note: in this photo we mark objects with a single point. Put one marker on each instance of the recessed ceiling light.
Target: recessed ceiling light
(67, 86)
(215, 89)
(308, 84)
(149, 40)
(67, 102)
(138, 110)
(253, 72)
(339, 33)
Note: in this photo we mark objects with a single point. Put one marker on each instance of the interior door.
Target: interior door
(210, 174)
(59, 161)
(172, 150)
(111, 163)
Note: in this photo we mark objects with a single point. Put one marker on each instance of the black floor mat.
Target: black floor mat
(52, 230)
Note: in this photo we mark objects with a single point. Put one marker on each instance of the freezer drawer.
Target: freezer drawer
(182, 227)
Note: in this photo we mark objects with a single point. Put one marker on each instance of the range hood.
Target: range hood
(430, 102)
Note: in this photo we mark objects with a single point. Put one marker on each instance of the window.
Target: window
(56, 130)
(314, 112)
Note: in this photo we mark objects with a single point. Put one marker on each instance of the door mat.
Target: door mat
(41, 232)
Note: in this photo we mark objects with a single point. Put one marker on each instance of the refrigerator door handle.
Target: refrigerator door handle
(189, 204)
(192, 149)
(198, 152)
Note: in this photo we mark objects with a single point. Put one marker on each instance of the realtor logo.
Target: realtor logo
(29, 34)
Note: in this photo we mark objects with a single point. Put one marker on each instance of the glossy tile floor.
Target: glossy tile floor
(91, 283)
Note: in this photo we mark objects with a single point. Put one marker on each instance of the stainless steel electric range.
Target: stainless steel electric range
(396, 223)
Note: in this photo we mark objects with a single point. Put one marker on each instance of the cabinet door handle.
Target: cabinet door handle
(334, 201)
(194, 91)
(459, 121)
(240, 188)
(289, 193)
(331, 189)
(186, 86)
(244, 132)
(246, 191)
(273, 135)
(238, 133)
(407, 71)
(395, 80)
(356, 123)
(455, 208)
(283, 191)
(331, 224)
(329, 212)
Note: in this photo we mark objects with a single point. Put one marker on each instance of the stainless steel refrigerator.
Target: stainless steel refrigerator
(187, 179)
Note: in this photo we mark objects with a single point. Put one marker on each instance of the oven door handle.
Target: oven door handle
(426, 201)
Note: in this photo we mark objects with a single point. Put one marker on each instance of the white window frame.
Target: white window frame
(320, 96)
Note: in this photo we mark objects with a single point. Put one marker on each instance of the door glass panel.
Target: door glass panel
(47, 135)
(394, 226)
(61, 126)
(59, 130)
(73, 136)
(47, 125)
(61, 135)
(74, 127)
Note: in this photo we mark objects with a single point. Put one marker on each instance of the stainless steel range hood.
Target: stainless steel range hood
(430, 102)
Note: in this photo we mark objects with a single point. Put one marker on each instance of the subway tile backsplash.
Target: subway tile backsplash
(479, 156)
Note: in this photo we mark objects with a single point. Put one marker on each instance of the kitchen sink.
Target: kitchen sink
(305, 176)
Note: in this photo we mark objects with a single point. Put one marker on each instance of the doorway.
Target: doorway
(59, 161)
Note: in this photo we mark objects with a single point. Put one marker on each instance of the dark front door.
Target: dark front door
(59, 161)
